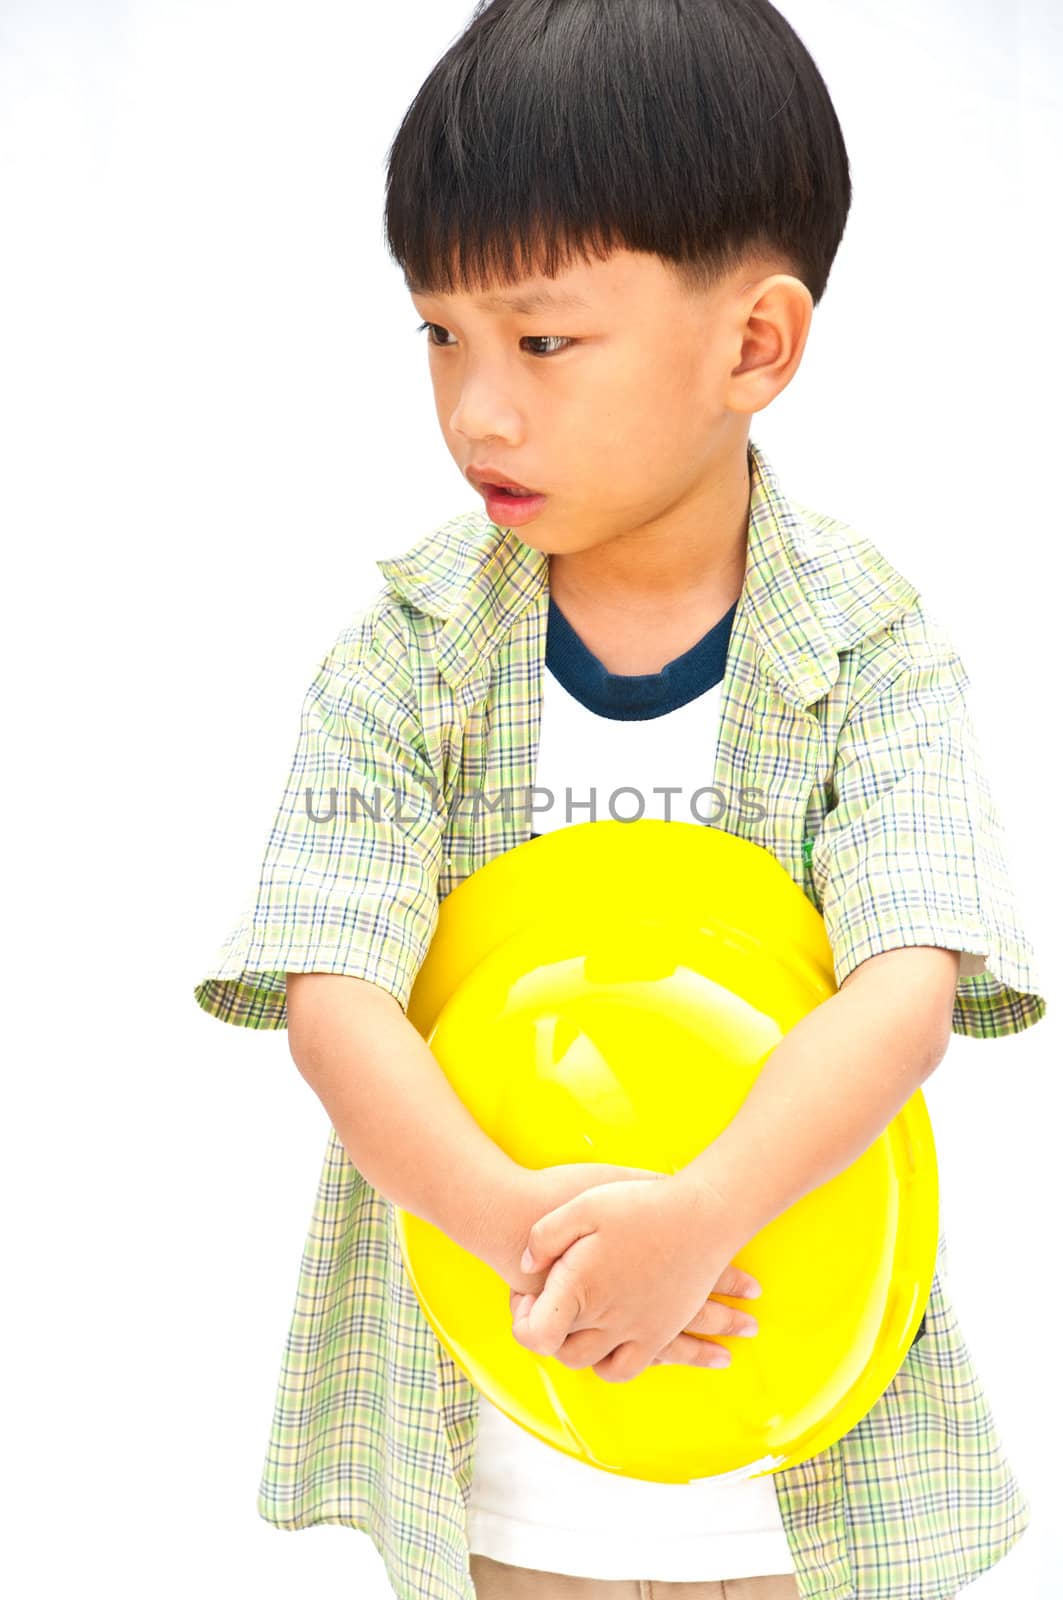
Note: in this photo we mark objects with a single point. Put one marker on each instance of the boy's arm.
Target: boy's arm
(396, 1114)
(911, 870)
(827, 1090)
(831, 1086)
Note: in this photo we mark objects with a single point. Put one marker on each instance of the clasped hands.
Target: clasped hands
(622, 1262)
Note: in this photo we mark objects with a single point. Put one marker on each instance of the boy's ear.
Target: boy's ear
(776, 318)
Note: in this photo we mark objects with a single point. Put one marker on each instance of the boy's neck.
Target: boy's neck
(624, 646)
(693, 554)
(639, 601)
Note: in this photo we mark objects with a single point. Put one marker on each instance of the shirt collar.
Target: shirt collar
(812, 587)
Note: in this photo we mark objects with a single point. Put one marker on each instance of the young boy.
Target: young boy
(615, 218)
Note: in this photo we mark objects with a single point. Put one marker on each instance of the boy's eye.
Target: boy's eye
(432, 328)
(531, 338)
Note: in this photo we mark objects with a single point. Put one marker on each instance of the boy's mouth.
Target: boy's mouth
(511, 506)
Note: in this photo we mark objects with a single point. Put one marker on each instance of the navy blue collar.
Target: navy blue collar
(637, 696)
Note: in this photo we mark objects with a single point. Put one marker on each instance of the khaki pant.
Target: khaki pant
(495, 1580)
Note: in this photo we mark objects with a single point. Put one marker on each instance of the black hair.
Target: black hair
(697, 130)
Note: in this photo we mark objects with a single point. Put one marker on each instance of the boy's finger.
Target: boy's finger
(551, 1318)
(734, 1281)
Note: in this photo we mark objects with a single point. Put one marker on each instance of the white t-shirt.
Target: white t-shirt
(634, 746)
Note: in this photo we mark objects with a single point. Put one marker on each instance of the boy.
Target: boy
(676, 181)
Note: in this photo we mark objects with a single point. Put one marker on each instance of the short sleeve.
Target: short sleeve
(913, 850)
(348, 881)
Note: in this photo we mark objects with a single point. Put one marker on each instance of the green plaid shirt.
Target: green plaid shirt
(843, 704)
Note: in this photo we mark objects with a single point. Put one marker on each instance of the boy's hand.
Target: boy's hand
(535, 1192)
(539, 1191)
(629, 1266)
(685, 1349)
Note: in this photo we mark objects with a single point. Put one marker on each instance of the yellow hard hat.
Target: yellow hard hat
(609, 992)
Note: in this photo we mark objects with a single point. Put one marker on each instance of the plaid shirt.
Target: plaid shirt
(843, 704)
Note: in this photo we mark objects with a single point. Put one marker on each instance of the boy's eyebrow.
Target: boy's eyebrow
(524, 304)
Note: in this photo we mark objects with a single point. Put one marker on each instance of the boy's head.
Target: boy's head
(677, 165)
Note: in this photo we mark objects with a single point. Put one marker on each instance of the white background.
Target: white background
(214, 414)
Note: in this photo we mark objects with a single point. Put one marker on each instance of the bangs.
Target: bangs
(554, 131)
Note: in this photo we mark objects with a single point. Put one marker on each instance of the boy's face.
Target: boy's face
(622, 410)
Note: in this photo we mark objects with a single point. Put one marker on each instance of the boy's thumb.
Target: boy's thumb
(551, 1236)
